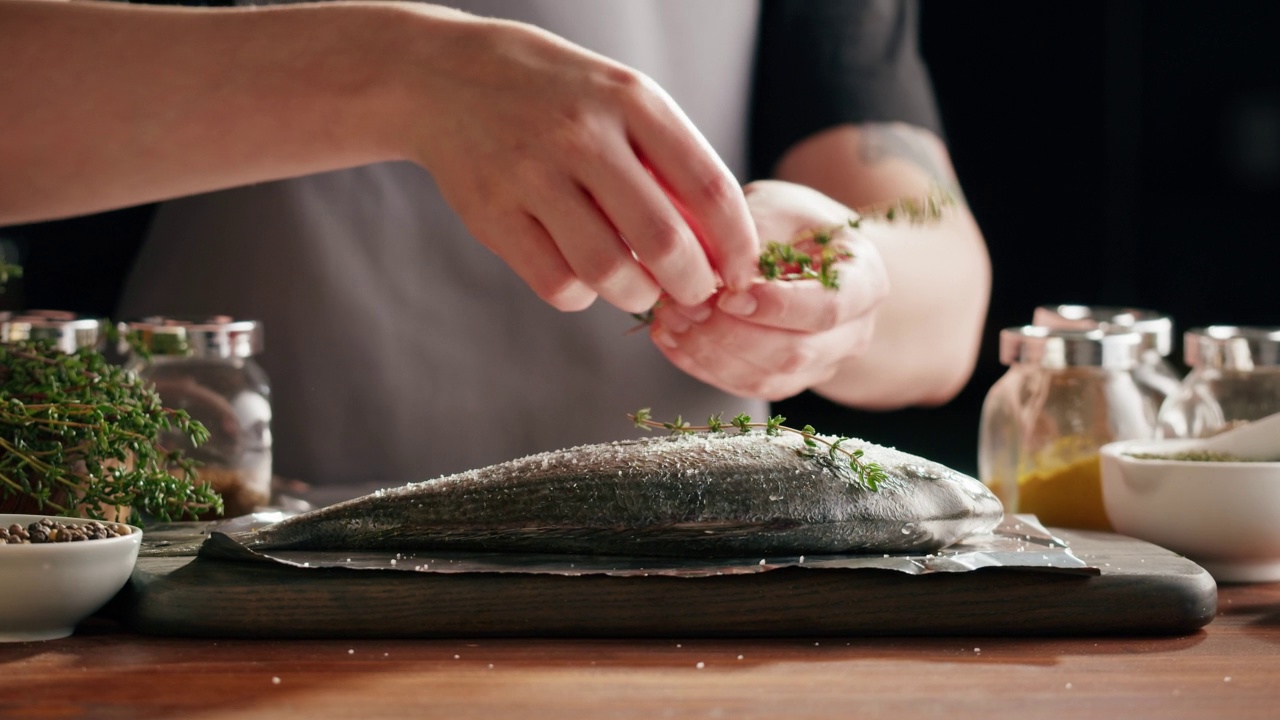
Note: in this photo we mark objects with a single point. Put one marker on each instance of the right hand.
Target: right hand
(564, 163)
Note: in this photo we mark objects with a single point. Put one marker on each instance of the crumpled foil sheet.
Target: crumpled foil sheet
(1019, 542)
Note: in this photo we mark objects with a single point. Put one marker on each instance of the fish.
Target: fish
(691, 496)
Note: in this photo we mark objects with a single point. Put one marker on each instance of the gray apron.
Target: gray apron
(398, 348)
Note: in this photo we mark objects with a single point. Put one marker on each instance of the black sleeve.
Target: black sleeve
(821, 63)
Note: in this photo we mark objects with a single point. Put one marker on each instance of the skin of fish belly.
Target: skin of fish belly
(688, 496)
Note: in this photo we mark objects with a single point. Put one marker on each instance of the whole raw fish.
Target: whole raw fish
(721, 495)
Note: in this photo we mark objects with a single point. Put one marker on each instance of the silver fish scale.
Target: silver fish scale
(700, 495)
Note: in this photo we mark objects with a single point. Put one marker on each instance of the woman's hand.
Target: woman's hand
(581, 173)
(775, 339)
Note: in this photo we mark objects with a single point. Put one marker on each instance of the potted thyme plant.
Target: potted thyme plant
(78, 438)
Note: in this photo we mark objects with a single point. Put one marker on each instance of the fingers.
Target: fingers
(623, 187)
(807, 306)
(524, 245)
(652, 226)
(748, 359)
(734, 376)
(700, 185)
(591, 247)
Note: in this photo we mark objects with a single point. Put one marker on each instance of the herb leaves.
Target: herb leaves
(815, 445)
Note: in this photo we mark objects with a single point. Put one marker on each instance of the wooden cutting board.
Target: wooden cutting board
(1142, 589)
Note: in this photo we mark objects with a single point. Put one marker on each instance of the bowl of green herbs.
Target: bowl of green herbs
(1217, 508)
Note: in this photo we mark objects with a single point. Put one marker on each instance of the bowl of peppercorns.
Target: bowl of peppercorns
(57, 571)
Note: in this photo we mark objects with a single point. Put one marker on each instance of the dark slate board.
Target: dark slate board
(1142, 590)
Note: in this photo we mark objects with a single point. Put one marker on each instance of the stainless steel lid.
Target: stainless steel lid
(65, 330)
(1231, 347)
(1156, 327)
(218, 336)
(1054, 348)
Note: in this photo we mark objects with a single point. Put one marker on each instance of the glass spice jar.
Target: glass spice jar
(1156, 376)
(1065, 395)
(65, 330)
(1234, 378)
(205, 366)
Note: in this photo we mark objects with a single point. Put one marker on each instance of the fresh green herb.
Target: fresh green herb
(78, 435)
(7, 273)
(1195, 456)
(815, 254)
(790, 261)
(869, 473)
(916, 211)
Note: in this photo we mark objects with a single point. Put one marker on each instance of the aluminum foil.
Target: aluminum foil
(1019, 542)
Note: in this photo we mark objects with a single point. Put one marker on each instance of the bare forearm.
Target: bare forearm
(929, 327)
(108, 105)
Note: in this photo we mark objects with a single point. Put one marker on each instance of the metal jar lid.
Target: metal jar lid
(1231, 347)
(65, 330)
(1057, 348)
(1157, 328)
(218, 336)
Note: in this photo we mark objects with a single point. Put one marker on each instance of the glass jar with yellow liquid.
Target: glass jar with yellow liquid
(1066, 394)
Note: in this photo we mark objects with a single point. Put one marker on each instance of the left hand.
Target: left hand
(776, 339)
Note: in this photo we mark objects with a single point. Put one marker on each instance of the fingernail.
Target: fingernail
(695, 313)
(738, 303)
(675, 322)
(700, 312)
(663, 338)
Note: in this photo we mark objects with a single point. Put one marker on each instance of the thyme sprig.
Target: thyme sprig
(815, 445)
(78, 436)
(790, 261)
(914, 210)
(8, 272)
(814, 254)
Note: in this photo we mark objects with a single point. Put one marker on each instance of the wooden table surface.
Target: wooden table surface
(1230, 669)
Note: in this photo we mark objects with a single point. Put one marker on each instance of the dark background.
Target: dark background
(1114, 152)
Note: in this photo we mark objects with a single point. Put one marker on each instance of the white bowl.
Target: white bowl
(1225, 516)
(48, 588)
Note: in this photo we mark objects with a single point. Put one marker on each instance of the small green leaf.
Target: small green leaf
(807, 433)
(771, 426)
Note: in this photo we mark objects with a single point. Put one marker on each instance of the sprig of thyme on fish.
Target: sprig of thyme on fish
(869, 473)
